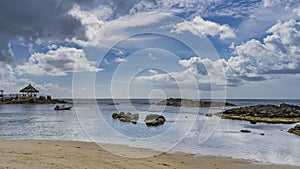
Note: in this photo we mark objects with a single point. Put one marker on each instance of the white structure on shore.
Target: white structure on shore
(1, 94)
(28, 92)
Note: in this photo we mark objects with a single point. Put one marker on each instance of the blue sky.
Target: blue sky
(152, 48)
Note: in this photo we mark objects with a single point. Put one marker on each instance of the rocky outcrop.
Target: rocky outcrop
(34, 101)
(177, 102)
(284, 113)
(295, 130)
(154, 120)
(129, 117)
(150, 120)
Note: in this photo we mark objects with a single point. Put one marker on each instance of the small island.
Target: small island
(28, 95)
(178, 102)
(284, 113)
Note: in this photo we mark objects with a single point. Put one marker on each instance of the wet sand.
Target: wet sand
(36, 154)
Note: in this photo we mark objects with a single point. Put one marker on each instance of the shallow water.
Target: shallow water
(186, 129)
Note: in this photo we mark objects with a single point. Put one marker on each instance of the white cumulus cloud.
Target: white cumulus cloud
(202, 28)
(7, 78)
(57, 63)
(279, 53)
(265, 15)
(91, 21)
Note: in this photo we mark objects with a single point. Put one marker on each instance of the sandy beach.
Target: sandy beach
(72, 154)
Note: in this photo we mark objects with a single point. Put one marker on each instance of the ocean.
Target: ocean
(185, 130)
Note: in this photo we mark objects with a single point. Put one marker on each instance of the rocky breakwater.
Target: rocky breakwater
(177, 102)
(295, 130)
(284, 113)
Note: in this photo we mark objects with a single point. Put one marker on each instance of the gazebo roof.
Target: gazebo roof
(29, 89)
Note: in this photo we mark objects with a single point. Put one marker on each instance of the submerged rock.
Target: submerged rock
(154, 120)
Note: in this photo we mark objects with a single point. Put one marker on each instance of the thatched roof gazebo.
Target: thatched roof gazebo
(29, 90)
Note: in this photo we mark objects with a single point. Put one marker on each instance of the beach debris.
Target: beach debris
(154, 120)
(128, 117)
(295, 130)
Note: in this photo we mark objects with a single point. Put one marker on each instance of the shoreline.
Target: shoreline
(34, 101)
(78, 154)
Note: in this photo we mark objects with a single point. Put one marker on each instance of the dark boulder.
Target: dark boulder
(129, 117)
(121, 114)
(124, 119)
(154, 120)
(115, 115)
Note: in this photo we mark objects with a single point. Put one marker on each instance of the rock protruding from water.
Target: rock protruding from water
(245, 131)
(128, 117)
(177, 102)
(295, 130)
(154, 120)
(284, 113)
(208, 115)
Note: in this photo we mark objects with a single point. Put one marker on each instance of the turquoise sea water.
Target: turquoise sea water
(186, 129)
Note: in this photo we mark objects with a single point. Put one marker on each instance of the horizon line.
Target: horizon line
(182, 98)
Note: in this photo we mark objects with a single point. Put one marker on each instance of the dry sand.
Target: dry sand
(70, 154)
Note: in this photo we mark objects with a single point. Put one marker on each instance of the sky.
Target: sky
(151, 48)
